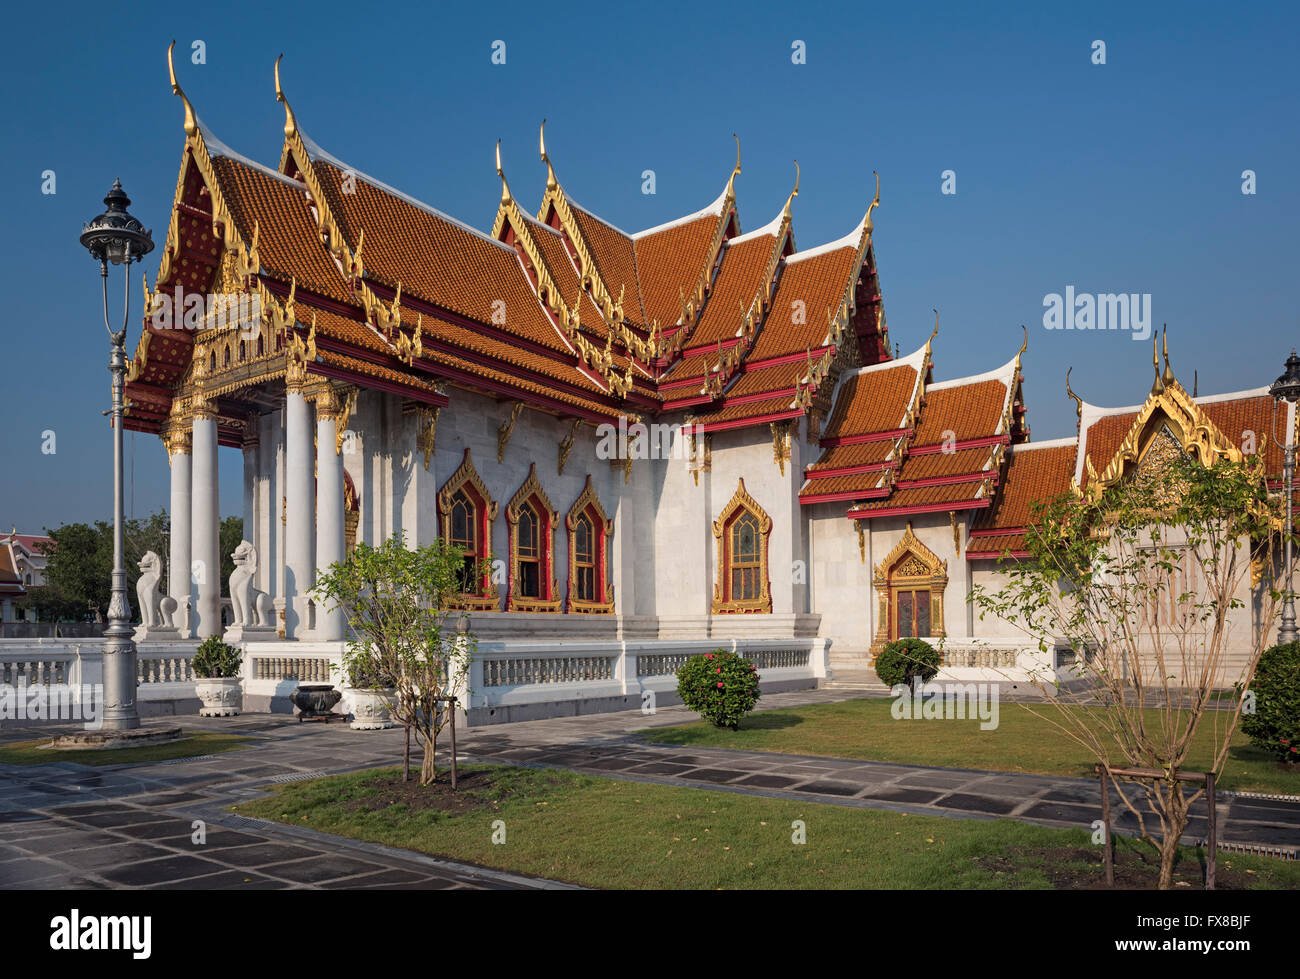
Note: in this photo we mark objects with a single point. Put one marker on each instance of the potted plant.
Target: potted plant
(370, 688)
(216, 666)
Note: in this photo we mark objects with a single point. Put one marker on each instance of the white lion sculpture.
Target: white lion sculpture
(155, 608)
(251, 608)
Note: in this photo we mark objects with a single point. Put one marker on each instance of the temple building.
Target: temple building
(691, 432)
(22, 567)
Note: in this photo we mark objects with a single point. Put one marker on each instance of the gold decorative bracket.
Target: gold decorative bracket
(507, 429)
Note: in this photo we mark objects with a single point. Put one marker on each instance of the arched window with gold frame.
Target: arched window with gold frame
(590, 530)
(465, 514)
(532, 521)
(909, 584)
(741, 531)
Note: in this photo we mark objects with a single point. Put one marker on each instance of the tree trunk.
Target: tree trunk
(1176, 822)
(428, 772)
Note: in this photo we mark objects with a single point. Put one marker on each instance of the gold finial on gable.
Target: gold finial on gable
(290, 121)
(191, 120)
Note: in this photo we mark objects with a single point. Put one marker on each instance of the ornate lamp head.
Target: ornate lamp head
(1287, 387)
(115, 235)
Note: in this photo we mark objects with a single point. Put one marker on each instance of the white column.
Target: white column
(251, 469)
(178, 561)
(300, 512)
(329, 510)
(205, 531)
(267, 503)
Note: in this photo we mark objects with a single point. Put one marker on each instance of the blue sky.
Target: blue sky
(1122, 177)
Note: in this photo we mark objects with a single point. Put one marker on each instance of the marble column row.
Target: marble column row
(292, 470)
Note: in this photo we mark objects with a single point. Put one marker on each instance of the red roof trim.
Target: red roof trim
(871, 494)
(993, 555)
(866, 467)
(775, 416)
(838, 440)
(923, 450)
(855, 514)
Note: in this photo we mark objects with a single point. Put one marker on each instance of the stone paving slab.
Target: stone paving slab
(68, 825)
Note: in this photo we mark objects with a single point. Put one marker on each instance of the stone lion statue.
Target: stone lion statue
(251, 608)
(153, 605)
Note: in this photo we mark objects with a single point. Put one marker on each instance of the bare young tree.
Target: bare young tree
(1165, 585)
(397, 602)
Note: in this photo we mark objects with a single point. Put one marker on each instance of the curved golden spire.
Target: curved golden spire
(1078, 401)
(875, 202)
(1164, 342)
(191, 120)
(1024, 345)
(1159, 385)
(793, 194)
(551, 182)
(290, 121)
(505, 187)
(935, 332)
(731, 181)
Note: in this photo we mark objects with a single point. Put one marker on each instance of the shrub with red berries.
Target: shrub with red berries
(721, 686)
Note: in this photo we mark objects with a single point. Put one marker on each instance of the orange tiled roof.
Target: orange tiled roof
(739, 279)
(1033, 474)
(818, 283)
(669, 260)
(288, 245)
(615, 258)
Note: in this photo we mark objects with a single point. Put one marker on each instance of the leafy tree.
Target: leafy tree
(232, 532)
(397, 603)
(79, 565)
(48, 604)
(1147, 582)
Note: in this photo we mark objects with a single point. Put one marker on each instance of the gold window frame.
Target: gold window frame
(588, 501)
(741, 501)
(910, 566)
(532, 491)
(489, 598)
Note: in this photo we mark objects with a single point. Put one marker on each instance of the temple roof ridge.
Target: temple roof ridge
(318, 154)
(713, 209)
(1060, 443)
(771, 228)
(218, 148)
(996, 374)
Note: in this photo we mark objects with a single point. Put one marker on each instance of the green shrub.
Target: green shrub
(215, 658)
(904, 659)
(721, 686)
(1275, 724)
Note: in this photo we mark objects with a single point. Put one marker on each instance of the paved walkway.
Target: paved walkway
(70, 825)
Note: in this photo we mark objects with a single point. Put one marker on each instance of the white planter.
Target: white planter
(370, 709)
(221, 696)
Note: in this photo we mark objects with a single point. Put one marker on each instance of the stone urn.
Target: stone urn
(315, 701)
(370, 709)
(221, 696)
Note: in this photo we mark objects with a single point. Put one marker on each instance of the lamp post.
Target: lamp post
(1287, 390)
(118, 238)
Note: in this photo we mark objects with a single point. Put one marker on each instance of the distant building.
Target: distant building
(22, 567)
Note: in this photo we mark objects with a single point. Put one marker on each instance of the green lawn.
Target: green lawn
(194, 743)
(607, 833)
(1022, 742)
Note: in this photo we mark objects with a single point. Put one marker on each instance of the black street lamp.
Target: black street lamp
(1287, 389)
(118, 238)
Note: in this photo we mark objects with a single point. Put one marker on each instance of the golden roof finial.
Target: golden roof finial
(875, 202)
(290, 122)
(731, 181)
(1159, 384)
(1078, 401)
(505, 187)
(793, 194)
(551, 182)
(1024, 344)
(191, 120)
(935, 332)
(1164, 342)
